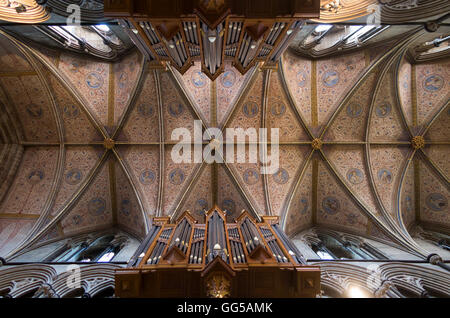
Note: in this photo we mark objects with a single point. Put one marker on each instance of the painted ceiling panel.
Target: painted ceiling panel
(228, 195)
(33, 183)
(143, 162)
(129, 214)
(299, 215)
(249, 113)
(404, 90)
(438, 131)
(386, 121)
(280, 114)
(439, 155)
(175, 109)
(142, 124)
(279, 185)
(334, 78)
(78, 165)
(177, 177)
(251, 179)
(434, 196)
(13, 232)
(126, 73)
(297, 72)
(229, 86)
(77, 126)
(11, 59)
(407, 202)
(350, 162)
(198, 87)
(387, 164)
(30, 99)
(350, 122)
(91, 79)
(335, 207)
(93, 209)
(433, 89)
(200, 198)
(49, 55)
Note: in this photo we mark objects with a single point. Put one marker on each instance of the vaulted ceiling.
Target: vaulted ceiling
(87, 143)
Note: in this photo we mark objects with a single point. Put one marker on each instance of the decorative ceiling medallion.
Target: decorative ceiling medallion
(176, 176)
(383, 110)
(175, 109)
(437, 202)
(330, 205)
(354, 110)
(305, 205)
(146, 110)
(228, 79)
(198, 79)
(355, 176)
(34, 110)
(385, 176)
(301, 78)
(281, 176)
(251, 176)
(77, 219)
(73, 176)
(418, 142)
(94, 80)
(200, 206)
(316, 144)
(35, 176)
(250, 109)
(147, 177)
(278, 109)
(408, 204)
(229, 206)
(96, 206)
(433, 83)
(108, 143)
(330, 78)
(71, 111)
(125, 207)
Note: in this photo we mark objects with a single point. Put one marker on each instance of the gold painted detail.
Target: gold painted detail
(108, 143)
(314, 110)
(218, 286)
(316, 144)
(418, 142)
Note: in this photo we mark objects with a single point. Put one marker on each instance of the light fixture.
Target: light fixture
(322, 27)
(103, 27)
(356, 292)
(288, 32)
(212, 39)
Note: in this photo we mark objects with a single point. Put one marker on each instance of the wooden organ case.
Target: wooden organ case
(180, 32)
(217, 259)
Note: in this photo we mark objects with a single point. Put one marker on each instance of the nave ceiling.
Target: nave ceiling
(88, 143)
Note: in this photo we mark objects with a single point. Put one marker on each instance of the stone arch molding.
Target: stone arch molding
(47, 282)
(381, 281)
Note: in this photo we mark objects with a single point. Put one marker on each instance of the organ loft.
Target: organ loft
(217, 258)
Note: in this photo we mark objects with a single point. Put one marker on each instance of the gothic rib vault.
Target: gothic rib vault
(363, 143)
